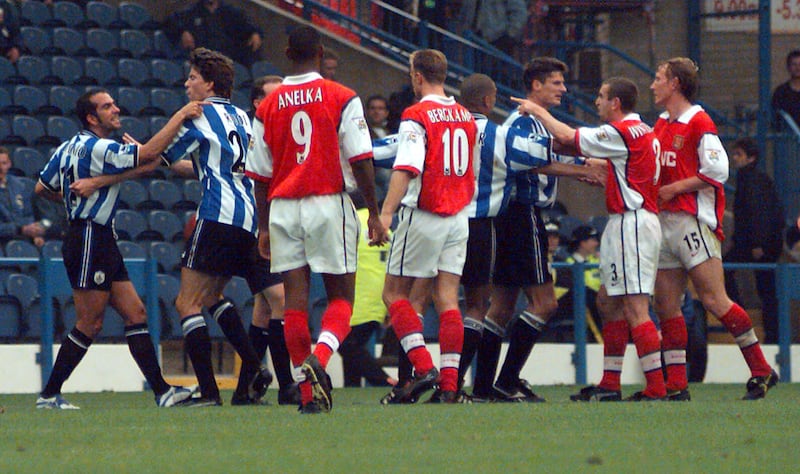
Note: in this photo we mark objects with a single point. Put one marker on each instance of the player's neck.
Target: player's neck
(100, 132)
(677, 106)
(432, 89)
(299, 69)
(794, 83)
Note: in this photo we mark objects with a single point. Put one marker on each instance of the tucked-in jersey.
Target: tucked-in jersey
(536, 189)
(83, 156)
(218, 142)
(630, 147)
(690, 147)
(310, 130)
(437, 138)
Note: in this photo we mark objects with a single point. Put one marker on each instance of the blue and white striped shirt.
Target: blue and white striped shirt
(83, 156)
(533, 189)
(499, 152)
(218, 143)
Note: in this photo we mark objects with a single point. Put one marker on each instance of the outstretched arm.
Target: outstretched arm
(562, 132)
(365, 178)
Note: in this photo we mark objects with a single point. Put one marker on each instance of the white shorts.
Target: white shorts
(629, 253)
(686, 242)
(425, 244)
(318, 231)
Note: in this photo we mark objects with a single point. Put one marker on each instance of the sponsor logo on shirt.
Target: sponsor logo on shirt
(677, 142)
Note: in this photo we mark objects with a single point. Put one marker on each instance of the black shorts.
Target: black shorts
(521, 256)
(479, 264)
(225, 250)
(91, 256)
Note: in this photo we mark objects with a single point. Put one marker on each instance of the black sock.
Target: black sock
(488, 357)
(69, 356)
(143, 352)
(198, 346)
(259, 338)
(523, 336)
(473, 330)
(404, 367)
(229, 321)
(280, 354)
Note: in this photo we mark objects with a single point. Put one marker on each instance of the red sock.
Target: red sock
(451, 341)
(738, 323)
(335, 328)
(306, 396)
(408, 328)
(645, 337)
(298, 339)
(615, 341)
(674, 339)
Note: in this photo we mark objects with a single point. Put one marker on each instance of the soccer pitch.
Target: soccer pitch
(125, 432)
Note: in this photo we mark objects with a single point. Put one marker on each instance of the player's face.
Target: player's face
(548, 93)
(553, 241)
(106, 112)
(5, 165)
(377, 112)
(416, 83)
(794, 68)
(198, 88)
(663, 87)
(603, 103)
(328, 68)
(739, 158)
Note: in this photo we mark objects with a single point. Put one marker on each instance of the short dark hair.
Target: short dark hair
(378, 97)
(5, 151)
(625, 90)
(84, 105)
(540, 68)
(749, 146)
(431, 63)
(257, 90)
(685, 70)
(328, 53)
(214, 67)
(474, 88)
(304, 44)
(795, 53)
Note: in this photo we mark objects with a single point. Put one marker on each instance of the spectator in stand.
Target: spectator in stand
(17, 219)
(500, 22)
(329, 65)
(11, 44)
(218, 26)
(261, 88)
(758, 230)
(377, 116)
(787, 95)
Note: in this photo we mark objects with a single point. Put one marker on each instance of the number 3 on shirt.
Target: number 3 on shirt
(456, 152)
(301, 133)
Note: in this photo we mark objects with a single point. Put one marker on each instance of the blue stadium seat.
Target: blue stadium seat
(168, 288)
(35, 13)
(132, 100)
(165, 101)
(264, 68)
(192, 191)
(103, 14)
(133, 72)
(168, 73)
(5, 103)
(135, 127)
(104, 42)
(70, 40)
(68, 70)
(33, 69)
(135, 42)
(241, 99)
(64, 97)
(52, 249)
(567, 224)
(98, 71)
(27, 128)
(11, 317)
(130, 249)
(70, 14)
(165, 192)
(163, 45)
(62, 128)
(25, 289)
(30, 99)
(136, 16)
(129, 224)
(167, 257)
(16, 248)
(241, 76)
(8, 73)
(38, 41)
(165, 223)
(113, 325)
(157, 123)
(5, 130)
(29, 160)
(238, 291)
(132, 193)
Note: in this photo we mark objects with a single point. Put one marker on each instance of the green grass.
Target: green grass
(125, 432)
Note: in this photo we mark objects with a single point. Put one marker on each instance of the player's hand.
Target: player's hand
(192, 110)
(128, 139)
(254, 41)
(527, 107)
(378, 233)
(263, 244)
(597, 172)
(665, 194)
(85, 187)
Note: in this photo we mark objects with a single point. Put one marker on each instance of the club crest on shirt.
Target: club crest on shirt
(602, 135)
(677, 142)
(412, 137)
(361, 123)
(713, 155)
(99, 277)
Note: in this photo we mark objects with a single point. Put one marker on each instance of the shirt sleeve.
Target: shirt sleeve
(600, 142)
(184, 143)
(116, 157)
(354, 140)
(713, 160)
(259, 163)
(385, 150)
(411, 147)
(525, 150)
